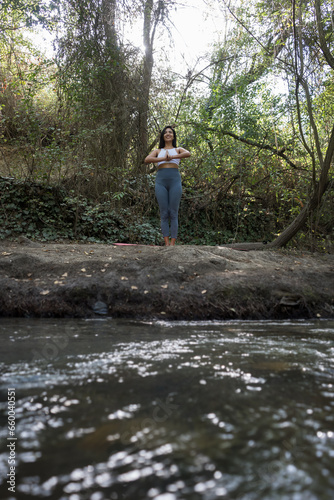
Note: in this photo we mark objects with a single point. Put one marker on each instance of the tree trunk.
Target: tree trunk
(150, 23)
(314, 201)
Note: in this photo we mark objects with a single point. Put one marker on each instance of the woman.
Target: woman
(168, 188)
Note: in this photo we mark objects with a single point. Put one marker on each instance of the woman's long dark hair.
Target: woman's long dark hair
(162, 140)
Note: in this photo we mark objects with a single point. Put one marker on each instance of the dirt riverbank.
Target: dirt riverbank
(181, 282)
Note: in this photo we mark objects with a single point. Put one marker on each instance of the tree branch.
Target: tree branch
(193, 78)
(324, 47)
(267, 147)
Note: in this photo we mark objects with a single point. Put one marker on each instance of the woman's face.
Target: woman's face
(168, 135)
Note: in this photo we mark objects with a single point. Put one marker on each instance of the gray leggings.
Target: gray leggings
(168, 190)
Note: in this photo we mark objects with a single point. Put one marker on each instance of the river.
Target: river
(116, 409)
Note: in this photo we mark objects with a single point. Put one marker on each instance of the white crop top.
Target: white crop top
(172, 152)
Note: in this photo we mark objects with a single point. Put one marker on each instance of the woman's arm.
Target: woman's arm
(153, 157)
(181, 153)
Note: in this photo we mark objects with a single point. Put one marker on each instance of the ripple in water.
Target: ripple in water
(168, 411)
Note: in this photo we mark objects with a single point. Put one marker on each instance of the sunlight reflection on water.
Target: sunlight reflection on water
(187, 410)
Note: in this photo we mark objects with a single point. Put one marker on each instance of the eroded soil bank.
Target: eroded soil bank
(182, 282)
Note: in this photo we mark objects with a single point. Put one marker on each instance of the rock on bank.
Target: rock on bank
(182, 282)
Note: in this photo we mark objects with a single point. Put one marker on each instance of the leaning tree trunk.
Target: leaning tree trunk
(311, 205)
(321, 186)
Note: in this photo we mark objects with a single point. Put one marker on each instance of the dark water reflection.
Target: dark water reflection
(127, 410)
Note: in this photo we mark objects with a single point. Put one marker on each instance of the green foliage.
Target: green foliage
(30, 12)
(41, 212)
(44, 213)
(73, 124)
(233, 220)
(98, 80)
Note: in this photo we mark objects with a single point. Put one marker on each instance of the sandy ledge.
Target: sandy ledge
(182, 282)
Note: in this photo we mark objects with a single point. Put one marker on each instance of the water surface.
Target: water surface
(111, 409)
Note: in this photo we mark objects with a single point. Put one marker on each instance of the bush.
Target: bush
(45, 213)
